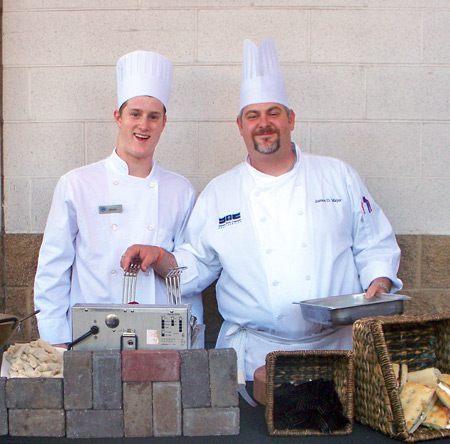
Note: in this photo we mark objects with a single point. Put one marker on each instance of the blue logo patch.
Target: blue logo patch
(230, 219)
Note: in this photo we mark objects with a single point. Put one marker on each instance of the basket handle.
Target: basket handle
(389, 378)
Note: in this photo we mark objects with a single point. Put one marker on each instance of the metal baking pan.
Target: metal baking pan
(346, 309)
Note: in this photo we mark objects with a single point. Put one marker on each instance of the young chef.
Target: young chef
(282, 227)
(100, 209)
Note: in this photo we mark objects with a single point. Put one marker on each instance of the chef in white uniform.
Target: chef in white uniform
(282, 227)
(100, 209)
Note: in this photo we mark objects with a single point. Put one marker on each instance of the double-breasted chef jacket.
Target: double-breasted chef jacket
(97, 212)
(313, 232)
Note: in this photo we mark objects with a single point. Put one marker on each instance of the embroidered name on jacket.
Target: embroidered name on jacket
(231, 219)
(333, 200)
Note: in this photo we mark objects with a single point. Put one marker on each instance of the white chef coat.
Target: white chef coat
(313, 232)
(79, 260)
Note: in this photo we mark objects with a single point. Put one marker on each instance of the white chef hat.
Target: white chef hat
(262, 81)
(143, 73)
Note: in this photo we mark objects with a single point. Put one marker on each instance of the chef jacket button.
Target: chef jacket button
(300, 213)
(151, 228)
(114, 272)
(304, 244)
(263, 219)
(280, 316)
(269, 250)
(275, 283)
(116, 181)
(151, 184)
(114, 227)
(308, 277)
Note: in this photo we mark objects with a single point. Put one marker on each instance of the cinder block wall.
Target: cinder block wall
(369, 81)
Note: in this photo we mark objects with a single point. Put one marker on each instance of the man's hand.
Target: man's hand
(157, 258)
(375, 288)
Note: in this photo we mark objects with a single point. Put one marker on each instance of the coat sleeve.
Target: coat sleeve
(53, 276)
(179, 236)
(375, 249)
(197, 254)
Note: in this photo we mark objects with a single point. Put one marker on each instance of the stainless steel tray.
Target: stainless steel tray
(346, 309)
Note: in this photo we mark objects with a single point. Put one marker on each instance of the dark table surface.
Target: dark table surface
(253, 430)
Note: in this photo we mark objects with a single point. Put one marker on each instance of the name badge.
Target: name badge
(108, 209)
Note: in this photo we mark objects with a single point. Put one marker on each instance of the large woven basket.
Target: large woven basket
(420, 342)
(302, 366)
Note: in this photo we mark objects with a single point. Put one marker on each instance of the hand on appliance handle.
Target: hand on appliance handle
(151, 256)
(378, 286)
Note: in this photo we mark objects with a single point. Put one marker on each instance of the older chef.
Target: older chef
(100, 209)
(282, 227)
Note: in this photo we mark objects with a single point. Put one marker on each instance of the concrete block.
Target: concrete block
(77, 380)
(366, 36)
(182, 158)
(150, 365)
(100, 137)
(392, 193)
(205, 91)
(115, 24)
(3, 410)
(435, 152)
(167, 409)
(15, 94)
(72, 93)
(37, 422)
(34, 393)
(211, 422)
(31, 161)
(223, 377)
(312, 3)
(29, 38)
(41, 191)
(222, 34)
(312, 91)
(408, 92)
(107, 380)
(230, 150)
(137, 409)
(94, 423)
(195, 378)
(436, 36)
(385, 144)
(17, 204)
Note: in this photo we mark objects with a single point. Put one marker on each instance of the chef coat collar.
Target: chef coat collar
(121, 166)
(267, 179)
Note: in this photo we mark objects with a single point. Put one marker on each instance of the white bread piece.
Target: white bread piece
(403, 375)
(428, 376)
(437, 418)
(443, 389)
(396, 368)
(417, 400)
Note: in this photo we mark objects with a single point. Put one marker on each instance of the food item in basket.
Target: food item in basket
(428, 376)
(417, 400)
(309, 405)
(437, 418)
(37, 359)
(401, 373)
(443, 389)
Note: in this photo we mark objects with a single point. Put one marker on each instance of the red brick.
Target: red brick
(150, 365)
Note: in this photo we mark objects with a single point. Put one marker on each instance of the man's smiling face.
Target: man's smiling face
(141, 121)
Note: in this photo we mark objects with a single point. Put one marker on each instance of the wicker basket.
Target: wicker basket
(418, 341)
(302, 366)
